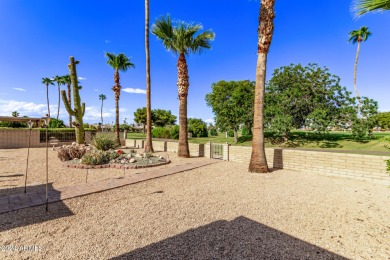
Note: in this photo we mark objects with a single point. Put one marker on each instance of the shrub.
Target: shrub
(104, 142)
(56, 123)
(161, 132)
(231, 133)
(174, 132)
(197, 127)
(245, 131)
(213, 132)
(96, 157)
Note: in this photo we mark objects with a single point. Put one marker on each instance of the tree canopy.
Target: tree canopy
(232, 104)
(160, 117)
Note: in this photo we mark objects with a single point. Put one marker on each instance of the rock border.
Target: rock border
(114, 166)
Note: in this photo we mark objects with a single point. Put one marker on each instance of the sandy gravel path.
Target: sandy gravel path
(218, 211)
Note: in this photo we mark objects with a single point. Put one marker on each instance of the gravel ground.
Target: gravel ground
(216, 212)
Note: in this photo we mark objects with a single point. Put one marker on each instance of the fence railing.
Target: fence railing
(66, 136)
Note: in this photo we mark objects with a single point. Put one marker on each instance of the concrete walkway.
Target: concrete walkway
(31, 199)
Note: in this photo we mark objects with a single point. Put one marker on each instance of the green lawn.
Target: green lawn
(339, 141)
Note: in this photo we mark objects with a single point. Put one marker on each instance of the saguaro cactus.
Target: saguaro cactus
(79, 108)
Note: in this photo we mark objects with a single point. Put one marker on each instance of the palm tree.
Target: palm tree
(149, 144)
(66, 80)
(182, 39)
(102, 97)
(365, 6)
(119, 63)
(258, 162)
(60, 81)
(358, 36)
(47, 82)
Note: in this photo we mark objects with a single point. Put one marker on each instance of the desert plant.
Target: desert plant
(104, 142)
(79, 108)
(97, 157)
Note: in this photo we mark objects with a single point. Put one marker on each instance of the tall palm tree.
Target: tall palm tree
(358, 36)
(47, 82)
(102, 97)
(258, 162)
(60, 81)
(119, 63)
(66, 80)
(365, 6)
(149, 144)
(182, 39)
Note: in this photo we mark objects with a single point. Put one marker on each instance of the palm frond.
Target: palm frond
(120, 61)
(364, 6)
(182, 37)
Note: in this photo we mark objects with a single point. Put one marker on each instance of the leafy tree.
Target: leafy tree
(102, 97)
(161, 117)
(358, 36)
(232, 104)
(364, 122)
(364, 6)
(15, 113)
(258, 162)
(309, 96)
(140, 116)
(56, 123)
(383, 120)
(148, 143)
(47, 82)
(197, 127)
(182, 39)
(119, 63)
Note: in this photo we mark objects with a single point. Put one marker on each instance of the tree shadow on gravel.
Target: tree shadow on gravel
(22, 217)
(241, 238)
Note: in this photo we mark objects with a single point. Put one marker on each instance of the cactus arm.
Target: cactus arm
(66, 103)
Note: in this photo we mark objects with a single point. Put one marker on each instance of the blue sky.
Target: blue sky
(37, 37)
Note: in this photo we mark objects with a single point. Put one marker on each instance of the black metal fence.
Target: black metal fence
(61, 136)
(217, 151)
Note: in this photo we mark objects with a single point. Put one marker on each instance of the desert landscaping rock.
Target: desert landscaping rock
(218, 211)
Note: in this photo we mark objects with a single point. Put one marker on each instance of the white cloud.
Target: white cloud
(134, 90)
(96, 90)
(209, 121)
(81, 78)
(19, 89)
(24, 108)
(93, 114)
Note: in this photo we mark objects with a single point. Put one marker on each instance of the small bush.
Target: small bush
(161, 132)
(245, 131)
(56, 123)
(97, 157)
(174, 132)
(104, 142)
(213, 132)
(231, 133)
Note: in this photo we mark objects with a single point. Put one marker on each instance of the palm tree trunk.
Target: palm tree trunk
(58, 110)
(117, 120)
(117, 92)
(47, 97)
(258, 162)
(101, 112)
(149, 144)
(70, 102)
(183, 84)
(355, 73)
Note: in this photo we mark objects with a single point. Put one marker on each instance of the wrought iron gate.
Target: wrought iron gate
(217, 151)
